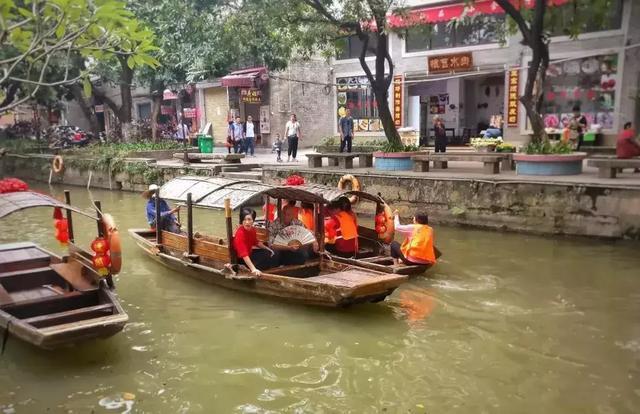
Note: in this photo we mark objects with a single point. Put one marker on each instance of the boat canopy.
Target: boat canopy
(20, 200)
(210, 192)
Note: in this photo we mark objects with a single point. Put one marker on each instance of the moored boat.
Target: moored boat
(52, 301)
(320, 281)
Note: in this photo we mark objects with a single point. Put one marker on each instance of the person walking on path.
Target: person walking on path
(578, 124)
(345, 127)
(238, 136)
(249, 136)
(440, 134)
(293, 133)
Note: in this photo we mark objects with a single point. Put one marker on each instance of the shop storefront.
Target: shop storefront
(248, 95)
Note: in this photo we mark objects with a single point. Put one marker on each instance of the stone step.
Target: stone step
(244, 175)
(239, 167)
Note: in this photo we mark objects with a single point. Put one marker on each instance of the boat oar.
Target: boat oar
(5, 337)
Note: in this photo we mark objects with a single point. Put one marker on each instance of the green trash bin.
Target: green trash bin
(205, 144)
(589, 137)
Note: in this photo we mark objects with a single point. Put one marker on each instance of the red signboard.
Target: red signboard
(397, 100)
(189, 112)
(512, 98)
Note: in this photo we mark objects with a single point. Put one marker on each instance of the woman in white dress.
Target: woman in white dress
(293, 133)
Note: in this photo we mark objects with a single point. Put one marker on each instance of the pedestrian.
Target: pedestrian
(277, 147)
(293, 133)
(345, 127)
(440, 134)
(229, 143)
(579, 124)
(238, 136)
(249, 136)
(627, 146)
(182, 132)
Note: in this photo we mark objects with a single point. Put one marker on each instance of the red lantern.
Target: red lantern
(101, 263)
(57, 213)
(61, 224)
(100, 245)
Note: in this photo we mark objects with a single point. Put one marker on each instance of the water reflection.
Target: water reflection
(507, 323)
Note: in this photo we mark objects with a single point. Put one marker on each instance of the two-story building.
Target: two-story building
(464, 73)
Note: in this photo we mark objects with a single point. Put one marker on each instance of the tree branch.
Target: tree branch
(517, 17)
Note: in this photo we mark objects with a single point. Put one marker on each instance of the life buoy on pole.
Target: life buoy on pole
(384, 224)
(115, 248)
(58, 164)
(355, 186)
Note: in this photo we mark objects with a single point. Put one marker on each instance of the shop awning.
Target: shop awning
(245, 78)
(448, 12)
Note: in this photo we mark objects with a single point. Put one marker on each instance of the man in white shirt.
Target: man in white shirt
(249, 136)
(182, 133)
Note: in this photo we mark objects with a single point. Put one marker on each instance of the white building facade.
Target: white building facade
(465, 75)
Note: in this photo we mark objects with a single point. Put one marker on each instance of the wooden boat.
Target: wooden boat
(51, 301)
(321, 281)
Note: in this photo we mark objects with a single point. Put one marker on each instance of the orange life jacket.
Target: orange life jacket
(306, 217)
(348, 225)
(420, 244)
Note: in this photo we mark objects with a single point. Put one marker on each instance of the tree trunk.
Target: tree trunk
(85, 107)
(126, 81)
(156, 90)
(381, 83)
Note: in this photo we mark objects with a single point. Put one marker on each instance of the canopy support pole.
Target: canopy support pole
(158, 220)
(189, 225)
(228, 216)
(98, 206)
(67, 200)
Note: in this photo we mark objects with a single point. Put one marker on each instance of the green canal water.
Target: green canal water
(506, 323)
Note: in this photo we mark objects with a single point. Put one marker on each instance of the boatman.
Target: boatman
(168, 220)
(417, 248)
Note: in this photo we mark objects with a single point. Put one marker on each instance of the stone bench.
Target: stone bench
(608, 167)
(342, 160)
(440, 160)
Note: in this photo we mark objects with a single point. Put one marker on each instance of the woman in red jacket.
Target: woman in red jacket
(255, 254)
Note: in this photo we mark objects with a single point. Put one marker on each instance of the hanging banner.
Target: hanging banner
(167, 110)
(99, 108)
(265, 122)
(458, 62)
(189, 112)
(512, 98)
(397, 100)
(250, 95)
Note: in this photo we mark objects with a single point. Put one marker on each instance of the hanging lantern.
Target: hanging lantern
(101, 263)
(62, 231)
(100, 245)
(57, 213)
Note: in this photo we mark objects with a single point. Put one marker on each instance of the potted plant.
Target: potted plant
(485, 144)
(505, 147)
(395, 157)
(546, 158)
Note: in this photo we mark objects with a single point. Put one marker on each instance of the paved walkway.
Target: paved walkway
(461, 170)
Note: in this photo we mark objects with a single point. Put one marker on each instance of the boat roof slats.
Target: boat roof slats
(12, 202)
(210, 192)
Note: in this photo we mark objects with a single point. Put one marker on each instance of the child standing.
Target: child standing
(277, 147)
(418, 246)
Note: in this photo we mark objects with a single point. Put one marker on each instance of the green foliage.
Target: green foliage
(393, 147)
(547, 147)
(37, 42)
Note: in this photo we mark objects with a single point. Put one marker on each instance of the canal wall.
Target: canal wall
(546, 208)
(130, 174)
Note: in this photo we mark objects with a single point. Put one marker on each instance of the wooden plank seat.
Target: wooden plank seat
(608, 167)
(341, 159)
(491, 161)
(75, 274)
(5, 298)
(72, 315)
(19, 256)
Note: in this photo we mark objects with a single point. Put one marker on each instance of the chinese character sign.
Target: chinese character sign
(397, 100)
(251, 95)
(512, 98)
(450, 63)
(265, 116)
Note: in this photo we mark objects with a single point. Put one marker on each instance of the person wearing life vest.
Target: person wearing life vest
(417, 248)
(305, 215)
(346, 224)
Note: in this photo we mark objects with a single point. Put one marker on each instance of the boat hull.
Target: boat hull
(345, 287)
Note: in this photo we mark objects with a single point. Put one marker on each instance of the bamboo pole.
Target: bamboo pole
(228, 215)
(67, 199)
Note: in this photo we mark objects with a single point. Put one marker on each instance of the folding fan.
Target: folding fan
(294, 235)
